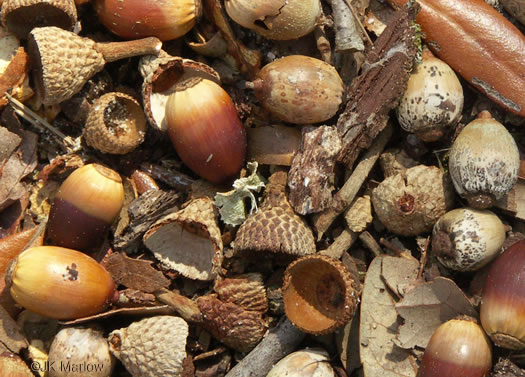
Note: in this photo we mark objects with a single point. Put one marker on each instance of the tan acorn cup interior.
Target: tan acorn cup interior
(319, 294)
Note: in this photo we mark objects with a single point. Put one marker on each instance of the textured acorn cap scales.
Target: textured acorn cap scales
(116, 124)
(161, 74)
(188, 241)
(275, 227)
(21, 16)
(51, 49)
(319, 294)
(247, 290)
(152, 347)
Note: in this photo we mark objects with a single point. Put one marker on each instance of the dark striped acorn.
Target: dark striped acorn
(458, 347)
(59, 283)
(502, 310)
(86, 204)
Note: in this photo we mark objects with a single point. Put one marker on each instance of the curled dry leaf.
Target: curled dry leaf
(135, 273)
(427, 306)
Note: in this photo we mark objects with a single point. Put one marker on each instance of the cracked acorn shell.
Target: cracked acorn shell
(319, 294)
(21, 16)
(116, 124)
(276, 19)
(433, 100)
(484, 161)
(76, 346)
(188, 241)
(409, 203)
(275, 227)
(310, 362)
(299, 89)
(164, 19)
(59, 283)
(86, 204)
(467, 239)
(152, 347)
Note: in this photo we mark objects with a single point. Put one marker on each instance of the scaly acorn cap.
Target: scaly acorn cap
(152, 347)
(51, 49)
(275, 227)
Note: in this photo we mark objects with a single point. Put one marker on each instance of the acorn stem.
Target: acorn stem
(113, 51)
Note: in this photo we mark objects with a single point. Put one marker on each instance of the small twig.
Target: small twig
(398, 251)
(39, 122)
(370, 243)
(345, 196)
(341, 244)
(359, 23)
(423, 259)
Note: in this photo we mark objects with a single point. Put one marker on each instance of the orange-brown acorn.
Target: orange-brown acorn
(59, 283)
(205, 129)
(86, 204)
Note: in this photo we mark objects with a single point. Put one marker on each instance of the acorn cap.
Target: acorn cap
(116, 124)
(188, 241)
(151, 347)
(161, 75)
(275, 227)
(319, 294)
(52, 49)
(247, 290)
(21, 16)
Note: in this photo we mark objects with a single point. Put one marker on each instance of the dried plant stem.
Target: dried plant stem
(277, 343)
(370, 243)
(344, 197)
(341, 243)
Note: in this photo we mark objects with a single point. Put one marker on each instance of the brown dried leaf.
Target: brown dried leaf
(136, 297)
(9, 141)
(135, 273)
(379, 324)
(13, 245)
(13, 366)
(427, 306)
(14, 75)
(10, 335)
(399, 274)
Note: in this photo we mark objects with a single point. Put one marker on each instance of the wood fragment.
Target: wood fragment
(277, 343)
(347, 193)
(348, 35)
(370, 243)
(323, 44)
(379, 87)
(514, 202)
(311, 176)
(341, 244)
(171, 177)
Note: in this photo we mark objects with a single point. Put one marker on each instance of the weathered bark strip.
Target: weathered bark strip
(378, 89)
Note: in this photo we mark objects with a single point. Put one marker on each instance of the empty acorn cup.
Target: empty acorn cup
(51, 49)
(21, 16)
(319, 294)
(116, 124)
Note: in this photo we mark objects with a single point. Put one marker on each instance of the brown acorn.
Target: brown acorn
(86, 204)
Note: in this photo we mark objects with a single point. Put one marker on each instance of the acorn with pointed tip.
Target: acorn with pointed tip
(86, 204)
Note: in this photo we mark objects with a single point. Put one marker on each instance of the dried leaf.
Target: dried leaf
(399, 274)
(13, 245)
(232, 207)
(379, 324)
(135, 273)
(14, 75)
(426, 307)
(13, 366)
(9, 141)
(10, 335)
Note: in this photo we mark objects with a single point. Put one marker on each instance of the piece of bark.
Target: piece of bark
(173, 178)
(273, 145)
(506, 368)
(514, 202)
(348, 35)
(276, 344)
(379, 87)
(344, 197)
(311, 176)
(143, 212)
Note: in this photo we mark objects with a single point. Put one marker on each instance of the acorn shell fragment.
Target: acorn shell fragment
(116, 124)
(310, 362)
(152, 347)
(319, 294)
(188, 241)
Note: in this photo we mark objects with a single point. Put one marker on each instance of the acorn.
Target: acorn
(433, 100)
(484, 162)
(299, 89)
(205, 129)
(86, 204)
(59, 283)
(276, 19)
(164, 19)
(310, 362)
(466, 239)
(458, 347)
(502, 311)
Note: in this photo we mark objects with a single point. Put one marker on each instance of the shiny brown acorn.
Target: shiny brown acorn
(299, 89)
(458, 347)
(86, 204)
(502, 310)
(164, 19)
(59, 283)
(205, 129)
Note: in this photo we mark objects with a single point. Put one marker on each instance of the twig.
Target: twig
(370, 243)
(344, 197)
(423, 259)
(341, 243)
(347, 33)
(277, 343)
(359, 23)
(39, 122)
